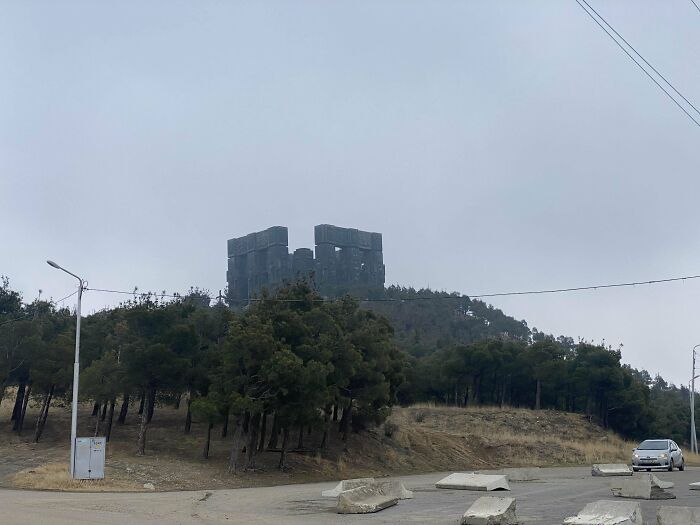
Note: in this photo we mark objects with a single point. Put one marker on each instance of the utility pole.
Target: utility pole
(693, 434)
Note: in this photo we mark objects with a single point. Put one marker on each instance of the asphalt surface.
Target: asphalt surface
(561, 492)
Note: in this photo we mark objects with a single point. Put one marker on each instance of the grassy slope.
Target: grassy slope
(416, 439)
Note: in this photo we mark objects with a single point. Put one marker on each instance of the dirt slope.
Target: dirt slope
(420, 439)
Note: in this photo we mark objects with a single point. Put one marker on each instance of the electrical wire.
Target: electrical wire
(684, 110)
(66, 297)
(434, 298)
(696, 5)
(640, 56)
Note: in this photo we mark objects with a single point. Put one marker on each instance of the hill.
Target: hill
(427, 320)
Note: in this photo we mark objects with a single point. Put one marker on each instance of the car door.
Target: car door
(676, 453)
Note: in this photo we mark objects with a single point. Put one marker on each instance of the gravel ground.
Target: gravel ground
(560, 493)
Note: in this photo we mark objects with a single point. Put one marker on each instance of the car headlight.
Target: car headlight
(635, 456)
(663, 456)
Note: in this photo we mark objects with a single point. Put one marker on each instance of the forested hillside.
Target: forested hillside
(464, 352)
(283, 372)
(425, 320)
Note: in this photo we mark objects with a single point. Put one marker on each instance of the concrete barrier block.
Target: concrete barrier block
(364, 500)
(642, 487)
(663, 484)
(694, 486)
(346, 484)
(678, 516)
(488, 510)
(606, 512)
(522, 474)
(515, 474)
(611, 469)
(394, 488)
(472, 481)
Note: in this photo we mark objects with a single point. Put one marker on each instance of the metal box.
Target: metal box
(90, 458)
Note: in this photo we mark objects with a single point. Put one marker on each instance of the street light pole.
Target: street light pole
(76, 370)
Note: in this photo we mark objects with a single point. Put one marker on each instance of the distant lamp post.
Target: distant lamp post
(693, 435)
(76, 369)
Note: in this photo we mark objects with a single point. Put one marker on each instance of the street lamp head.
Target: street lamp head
(51, 263)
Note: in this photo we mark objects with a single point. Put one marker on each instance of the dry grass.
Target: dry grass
(55, 476)
(518, 437)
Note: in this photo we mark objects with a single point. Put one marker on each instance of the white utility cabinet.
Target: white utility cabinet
(90, 457)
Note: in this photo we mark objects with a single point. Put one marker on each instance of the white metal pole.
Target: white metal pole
(76, 369)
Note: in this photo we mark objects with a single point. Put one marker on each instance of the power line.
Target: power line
(438, 298)
(696, 5)
(637, 62)
(640, 56)
(66, 297)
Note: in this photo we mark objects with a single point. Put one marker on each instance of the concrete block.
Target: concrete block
(611, 469)
(346, 484)
(364, 500)
(694, 486)
(472, 481)
(606, 512)
(642, 487)
(661, 483)
(391, 487)
(678, 516)
(515, 474)
(394, 488)
(488, 510)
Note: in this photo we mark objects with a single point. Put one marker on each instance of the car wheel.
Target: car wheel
(682, 466)
(635, 469)
(670, 466)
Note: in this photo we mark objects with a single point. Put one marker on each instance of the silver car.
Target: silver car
(657, 453)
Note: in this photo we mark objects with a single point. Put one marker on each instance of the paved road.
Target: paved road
(562, 492)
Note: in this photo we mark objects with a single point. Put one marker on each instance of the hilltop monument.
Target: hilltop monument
(346, 260)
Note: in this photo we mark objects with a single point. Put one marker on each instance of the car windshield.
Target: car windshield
(653, 445)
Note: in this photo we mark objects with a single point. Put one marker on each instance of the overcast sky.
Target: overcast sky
(497, 145)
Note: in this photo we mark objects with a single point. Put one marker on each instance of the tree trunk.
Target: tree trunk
(95, 409)
(206, 444)
(538, 394)
(124, 409)
(104, 412)
(188, 417)
(177, 401)
(110, 418)
(251, 448)
(224, 427)
(283, 452)
(151, 403)
(274, 433)
(300, 441)
(97, 425)
(335, 412)
(19, 399)
(23, 412)
(326, 427)
(346, 420)
(236, 446)
(263, 432)
(142, 401)
(144, 425)
(41, 422)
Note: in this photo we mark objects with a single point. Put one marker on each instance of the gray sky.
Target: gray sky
(497, 145)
